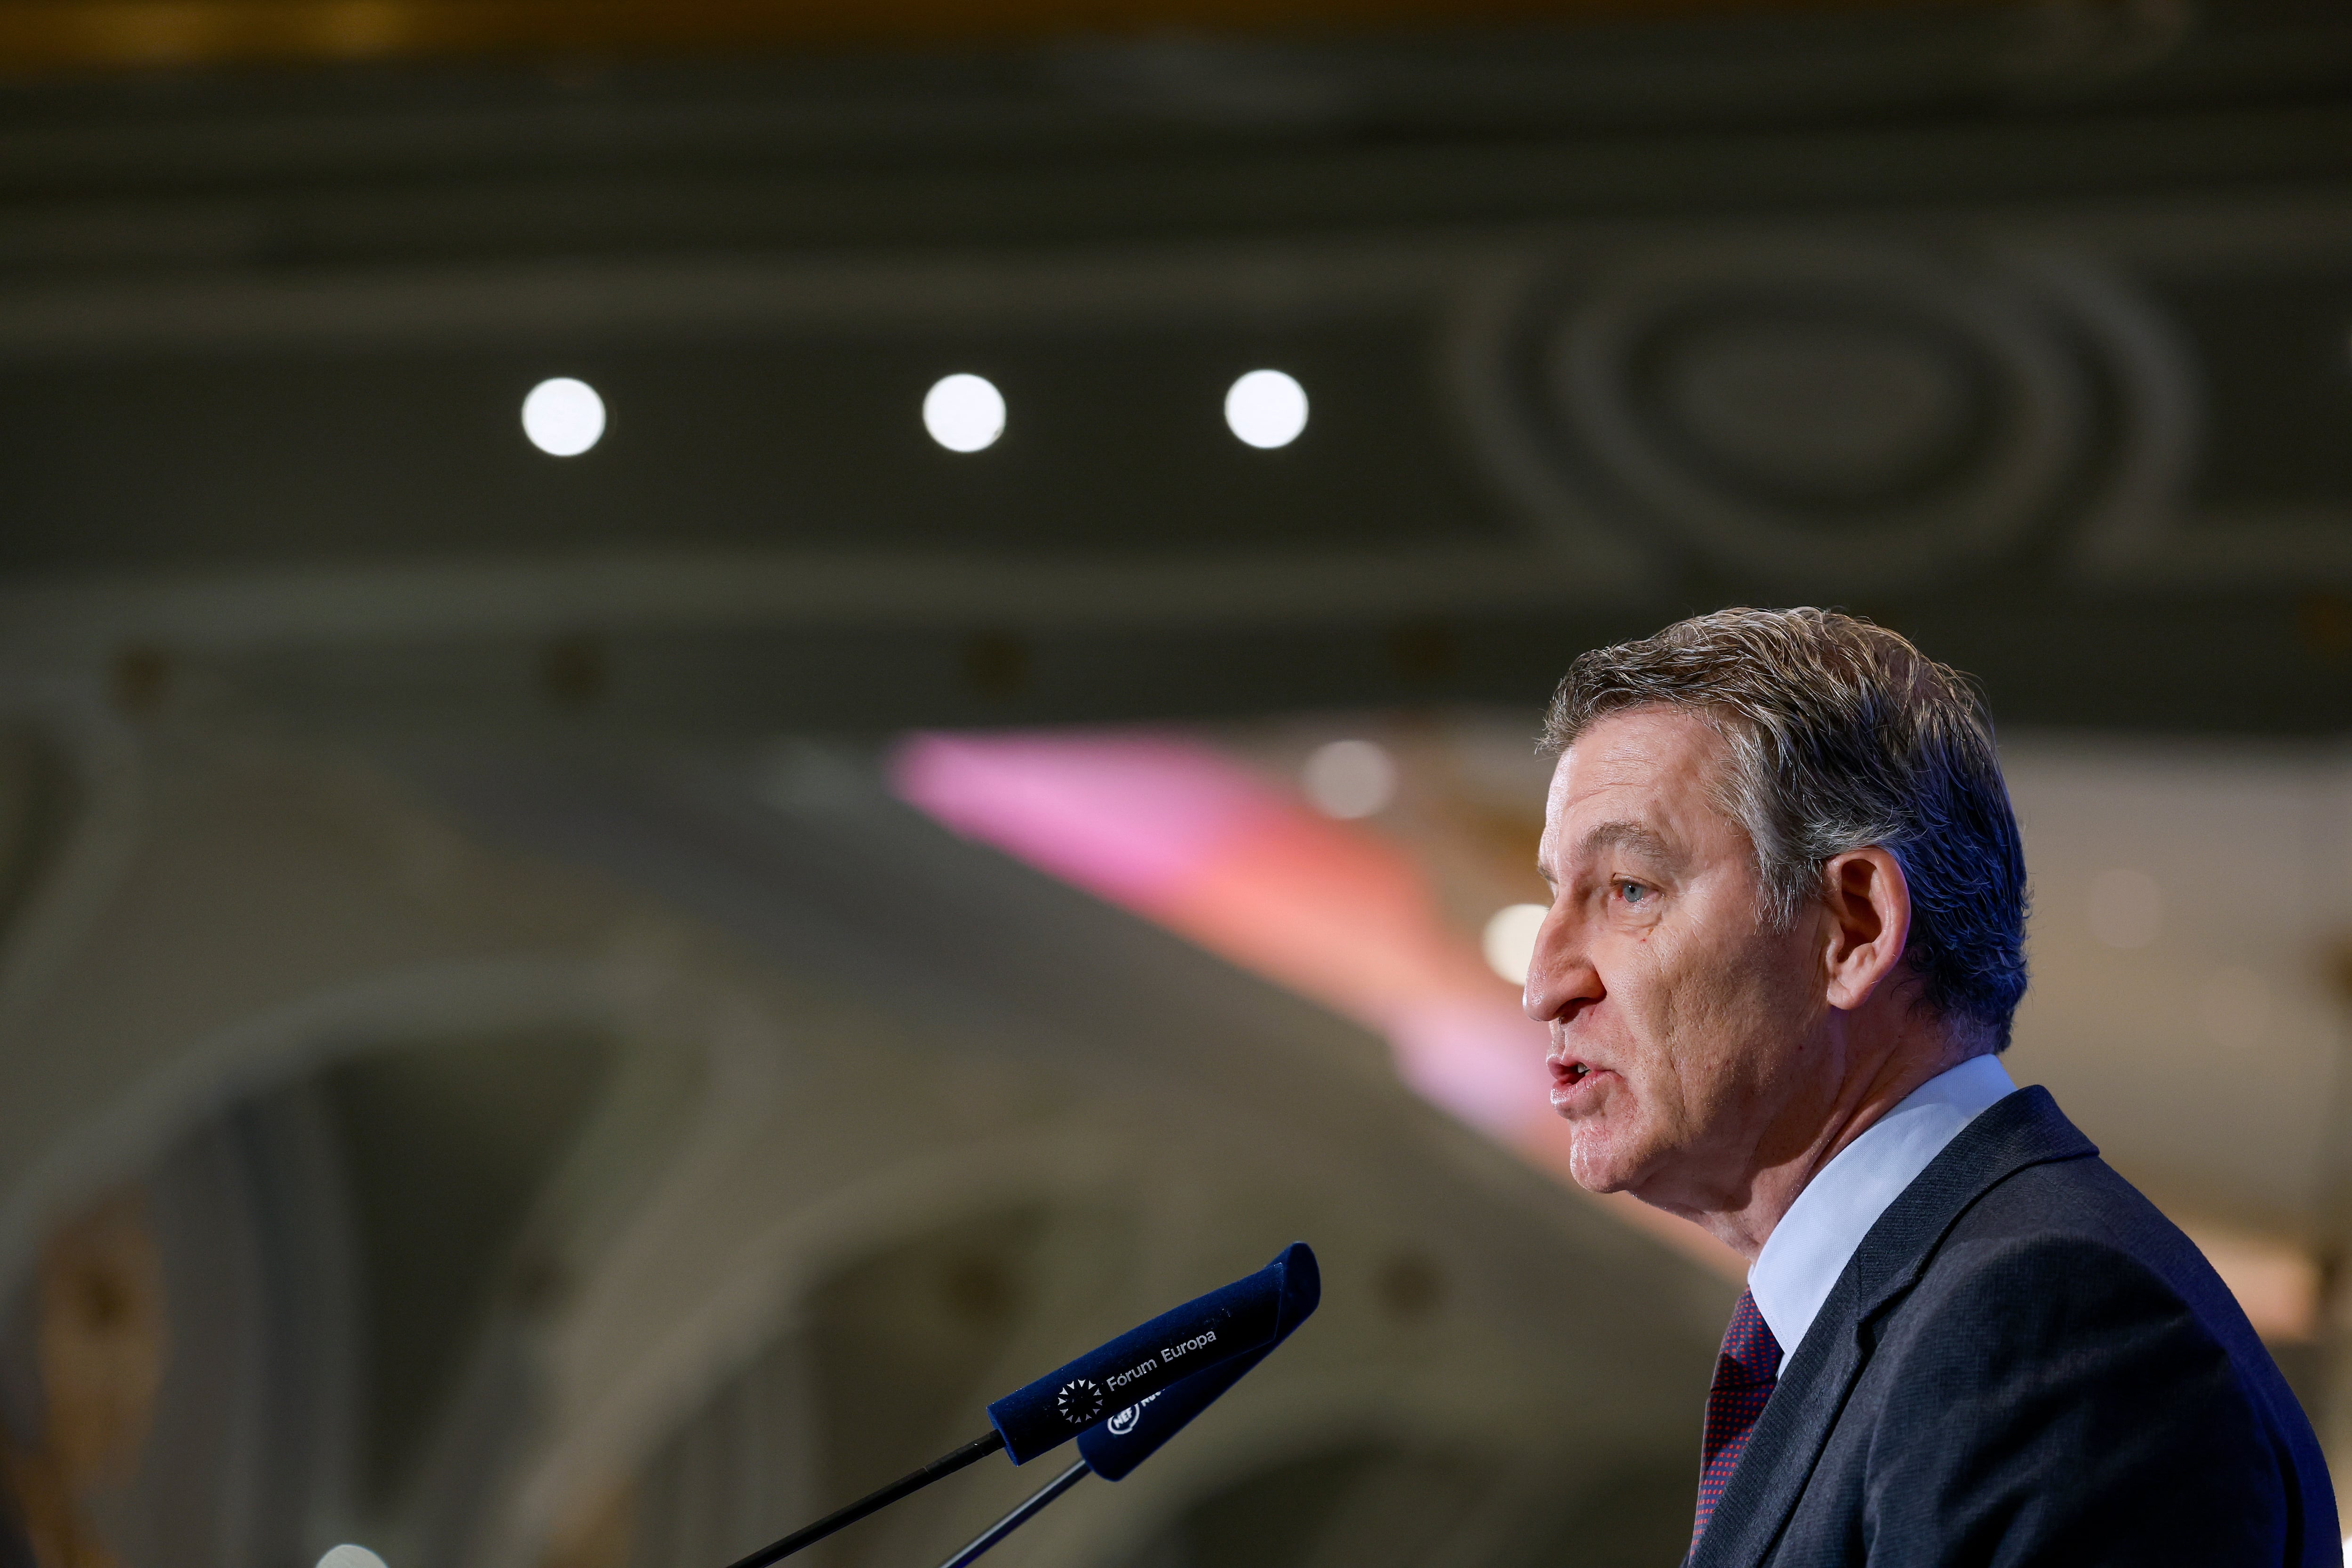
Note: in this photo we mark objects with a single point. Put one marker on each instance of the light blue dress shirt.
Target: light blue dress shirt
(1809, 1249)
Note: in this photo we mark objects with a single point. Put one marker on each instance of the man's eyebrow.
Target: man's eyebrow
(1638, 838)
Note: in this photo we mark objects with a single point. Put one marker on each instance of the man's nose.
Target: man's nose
(1559, 971)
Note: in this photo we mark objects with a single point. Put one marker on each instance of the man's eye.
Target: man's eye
(1631, 892)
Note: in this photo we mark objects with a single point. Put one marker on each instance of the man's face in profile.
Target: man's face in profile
(1680, 1020)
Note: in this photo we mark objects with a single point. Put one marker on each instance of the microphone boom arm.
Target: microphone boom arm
(1179, 1362)
(875, 1501)
(1019, 1516)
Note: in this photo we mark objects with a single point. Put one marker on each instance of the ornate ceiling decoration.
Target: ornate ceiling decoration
(1812, 414)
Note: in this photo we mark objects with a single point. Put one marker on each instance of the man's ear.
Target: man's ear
(1869, 906)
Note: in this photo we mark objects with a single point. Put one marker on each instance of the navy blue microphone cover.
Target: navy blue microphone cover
(1249, 1314)
(1135, 1433)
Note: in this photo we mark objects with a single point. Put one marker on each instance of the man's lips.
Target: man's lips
(1573, 1079)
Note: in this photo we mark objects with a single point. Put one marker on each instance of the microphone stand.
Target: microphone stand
(1036, 1416)
(874, 1502)
(1019, 1516)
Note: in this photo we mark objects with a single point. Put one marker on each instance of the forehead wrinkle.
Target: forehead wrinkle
(1639, 837)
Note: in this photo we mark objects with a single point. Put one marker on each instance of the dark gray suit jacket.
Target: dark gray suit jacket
(2025, 1362)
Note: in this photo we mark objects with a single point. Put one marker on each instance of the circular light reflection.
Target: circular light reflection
(964, 413)
(2126, 908)
(563, 418)
(350, 1556)
(1510, 940)
(1348, 779)
(1266, 408)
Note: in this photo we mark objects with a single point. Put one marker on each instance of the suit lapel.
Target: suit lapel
(2024, 1128)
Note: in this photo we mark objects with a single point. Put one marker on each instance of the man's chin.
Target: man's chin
(1596, 1167)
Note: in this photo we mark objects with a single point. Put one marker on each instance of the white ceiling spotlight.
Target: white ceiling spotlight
(348, 1556)
(563, 418)
(1509, 939)
(1349, 778)
(1266, 408)
(964, 413)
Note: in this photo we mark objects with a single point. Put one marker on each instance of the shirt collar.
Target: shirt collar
(1809, 1249)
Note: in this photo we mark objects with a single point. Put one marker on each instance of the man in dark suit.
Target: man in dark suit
(1785, 943)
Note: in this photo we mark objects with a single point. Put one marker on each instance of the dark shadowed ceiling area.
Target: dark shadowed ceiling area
(69, 35)
(2027, 330)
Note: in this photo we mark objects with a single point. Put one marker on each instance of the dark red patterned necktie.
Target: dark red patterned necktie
(1745, 1372)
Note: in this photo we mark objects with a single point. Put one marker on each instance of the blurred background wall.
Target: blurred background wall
(694, 769)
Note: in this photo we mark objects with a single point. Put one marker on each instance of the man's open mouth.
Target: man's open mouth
(1570, 1075)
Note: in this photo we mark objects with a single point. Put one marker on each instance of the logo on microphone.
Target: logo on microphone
(1080, 1400)
(1124, 1422)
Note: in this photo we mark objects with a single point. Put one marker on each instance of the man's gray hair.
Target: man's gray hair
(1844, 735)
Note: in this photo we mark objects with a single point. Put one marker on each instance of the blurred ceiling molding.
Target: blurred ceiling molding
(104, 35)
(2075, 279)
(313, 608)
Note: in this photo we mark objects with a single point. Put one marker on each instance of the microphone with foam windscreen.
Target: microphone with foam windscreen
(1202, 1337)
(1248, 1314)
(1134, 1433)
(1132, 1436)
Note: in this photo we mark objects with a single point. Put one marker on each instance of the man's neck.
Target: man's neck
(1861, 1103)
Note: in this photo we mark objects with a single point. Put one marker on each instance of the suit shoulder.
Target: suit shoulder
(2073, 1241)
(2075, 1221)
(2023, 1356)
(2024, 1272)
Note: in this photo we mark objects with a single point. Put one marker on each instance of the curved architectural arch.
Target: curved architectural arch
(606, 1164)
